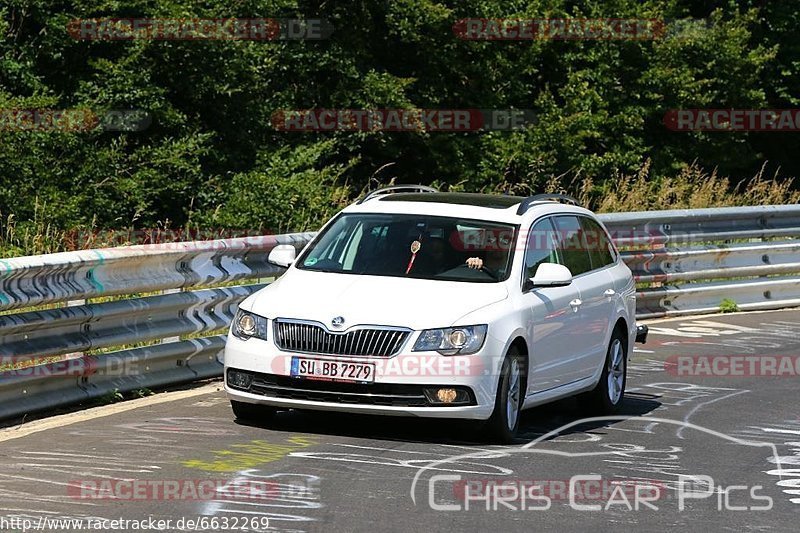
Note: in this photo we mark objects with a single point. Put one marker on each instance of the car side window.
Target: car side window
(541, 247)
(572, 244)
(601, 251)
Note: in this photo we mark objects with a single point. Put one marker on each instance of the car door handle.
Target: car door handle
(575, 304)
(609, 293)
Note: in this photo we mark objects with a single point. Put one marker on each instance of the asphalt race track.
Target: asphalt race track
(697, 449)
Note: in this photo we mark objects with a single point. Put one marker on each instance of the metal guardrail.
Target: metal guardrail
(693, 259)
(133, 301)
(79, 308)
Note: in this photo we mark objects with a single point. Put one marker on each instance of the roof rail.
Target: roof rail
(395, 189)
(547, 197)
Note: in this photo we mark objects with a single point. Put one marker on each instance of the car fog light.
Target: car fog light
(446, 395)
(239, 380)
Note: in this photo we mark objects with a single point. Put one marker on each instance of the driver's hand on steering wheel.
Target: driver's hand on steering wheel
(475, 262)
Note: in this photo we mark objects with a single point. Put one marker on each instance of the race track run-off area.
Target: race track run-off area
(708, 439)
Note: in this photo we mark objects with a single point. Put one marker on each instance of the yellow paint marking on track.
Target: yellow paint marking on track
(250, 455)
(68, 419)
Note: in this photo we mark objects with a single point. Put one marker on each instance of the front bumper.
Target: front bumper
(403, 384)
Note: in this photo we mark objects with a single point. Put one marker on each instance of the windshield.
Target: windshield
(413, 246)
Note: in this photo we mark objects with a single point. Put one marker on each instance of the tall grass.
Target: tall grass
(31, 237)
(691, 188)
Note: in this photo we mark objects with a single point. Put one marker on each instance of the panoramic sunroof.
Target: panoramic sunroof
(460, 198)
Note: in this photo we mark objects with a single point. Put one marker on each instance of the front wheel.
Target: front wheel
(606, 398)
(504, 422)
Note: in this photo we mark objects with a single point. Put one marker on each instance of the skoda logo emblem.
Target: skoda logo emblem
(337, 321)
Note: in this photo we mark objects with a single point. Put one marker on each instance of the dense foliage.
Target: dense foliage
(211, 159)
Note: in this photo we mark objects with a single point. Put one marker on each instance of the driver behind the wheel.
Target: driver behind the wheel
(495, 256)
(495, 261)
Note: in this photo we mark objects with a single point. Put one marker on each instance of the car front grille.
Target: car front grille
(307, 337)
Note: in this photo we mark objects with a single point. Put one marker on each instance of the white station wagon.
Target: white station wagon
(451, 305)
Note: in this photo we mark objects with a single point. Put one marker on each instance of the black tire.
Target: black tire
(498, 428)
(600, 401)
(252, 412)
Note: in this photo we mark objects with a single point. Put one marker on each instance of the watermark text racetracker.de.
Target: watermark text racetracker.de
(733, 366)
(733, 120)
(580, 29)
(82, 366)
(151, 523)
(246, 490)
(199, 29)
(410, 120)
(72, 120)
(559, 29)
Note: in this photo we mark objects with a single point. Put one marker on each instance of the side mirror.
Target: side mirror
(551, 275)
(282, 255)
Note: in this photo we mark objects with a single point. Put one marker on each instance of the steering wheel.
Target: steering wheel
(483, 269)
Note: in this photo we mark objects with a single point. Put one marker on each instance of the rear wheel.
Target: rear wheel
(252, 412)
(606, 398)
(504, 422)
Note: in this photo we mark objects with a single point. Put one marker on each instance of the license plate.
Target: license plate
(326, 369)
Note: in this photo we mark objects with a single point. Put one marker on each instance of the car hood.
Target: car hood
(389, 301)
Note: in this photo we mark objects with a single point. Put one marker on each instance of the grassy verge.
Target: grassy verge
(690, 188)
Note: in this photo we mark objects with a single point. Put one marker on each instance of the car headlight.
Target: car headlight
(459, 340)
(246, 325)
